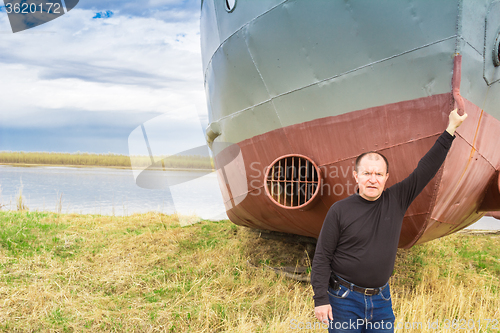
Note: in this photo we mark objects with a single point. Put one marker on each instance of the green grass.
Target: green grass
(479, 254)
(25, 233)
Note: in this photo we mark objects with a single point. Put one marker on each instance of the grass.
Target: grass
(146, 273)
(103, 160)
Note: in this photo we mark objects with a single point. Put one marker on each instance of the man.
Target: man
(358, 242)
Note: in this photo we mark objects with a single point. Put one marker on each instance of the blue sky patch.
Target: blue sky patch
(104, 15)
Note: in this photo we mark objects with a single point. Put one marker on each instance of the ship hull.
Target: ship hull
(387, 84)
(442, 208)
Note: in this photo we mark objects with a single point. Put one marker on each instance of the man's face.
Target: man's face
(371, 176)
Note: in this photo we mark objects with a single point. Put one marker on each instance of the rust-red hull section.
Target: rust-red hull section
(449, 202)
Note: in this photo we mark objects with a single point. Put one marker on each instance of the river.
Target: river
(109, 191)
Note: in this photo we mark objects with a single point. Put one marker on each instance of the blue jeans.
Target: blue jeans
(355, 312)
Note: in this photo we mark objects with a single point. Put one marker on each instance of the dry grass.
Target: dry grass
(452, 282)
(20, 200)
(145, 273)
(81, 159)
(142, 273)
(105, 160)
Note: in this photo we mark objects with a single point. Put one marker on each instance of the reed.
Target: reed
(104, 160)
(20, 200)
(146, 273)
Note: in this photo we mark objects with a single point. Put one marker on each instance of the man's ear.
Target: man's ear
(355, 175)
(386, 177)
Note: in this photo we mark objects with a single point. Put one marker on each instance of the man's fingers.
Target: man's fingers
(456, 119)
(454, 113)
(323, 313)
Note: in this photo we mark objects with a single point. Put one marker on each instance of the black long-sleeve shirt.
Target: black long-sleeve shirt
(359, 238)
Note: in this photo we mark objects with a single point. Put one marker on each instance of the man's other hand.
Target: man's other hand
(455, 121)
(323, 313)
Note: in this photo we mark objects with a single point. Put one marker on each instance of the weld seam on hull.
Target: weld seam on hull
(457, 185)
(471, 46)
(370, 64)
(477, 151)
(437, 186)
(244, 194)
(458, 25)
(335, 77)
(353, 157)
(459, 102)
(472, 145)
(299, 227)
(267, 89)
(452, 231)
(473, 149)
(269, 226)
(234, 33)
(418, 214)
(382, 149)
(449, 223)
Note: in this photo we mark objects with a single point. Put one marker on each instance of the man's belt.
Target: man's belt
(364, 291)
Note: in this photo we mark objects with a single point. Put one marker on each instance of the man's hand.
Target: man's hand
(454, 121)
(323, 313)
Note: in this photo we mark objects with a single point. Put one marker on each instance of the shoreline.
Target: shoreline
(478, 232)
(465, 232)
(27, 165)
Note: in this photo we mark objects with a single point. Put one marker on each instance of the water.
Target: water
(113, 191)
(486, 223)
(108, 191)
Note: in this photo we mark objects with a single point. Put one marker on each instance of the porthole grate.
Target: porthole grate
(292, 181)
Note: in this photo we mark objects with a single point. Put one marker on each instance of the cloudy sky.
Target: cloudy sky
(86, 80)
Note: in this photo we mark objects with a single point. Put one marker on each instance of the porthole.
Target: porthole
(293, 181)
(230, 4)
(496, 51)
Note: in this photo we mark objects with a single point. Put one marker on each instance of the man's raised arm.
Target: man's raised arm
(408, 189)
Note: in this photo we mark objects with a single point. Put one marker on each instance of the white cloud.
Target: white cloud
(123, 63)
(161, 2)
